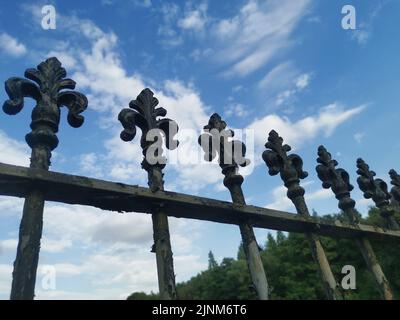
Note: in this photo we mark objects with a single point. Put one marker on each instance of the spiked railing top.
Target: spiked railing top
(45, 86)
(290, 166)
(336, 178)
(217, 139)
(375, 189)
(143, 114)
(395, 181)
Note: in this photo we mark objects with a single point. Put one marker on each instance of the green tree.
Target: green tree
(211, 261)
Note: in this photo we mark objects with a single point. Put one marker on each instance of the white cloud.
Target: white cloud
(359, 136)
(115, 249)
(262, 28)
(280, 201)
(47, 245)
(101, 75)
(143, 3)
(325, 122)
(8, 245)
(303, 81)
(364, 29)
(282, 83)
(170, 13)
(236, 110)
(55, 246)
(13, 151)
(11, 46)
(194, 19)
(9, 206)
(120, 276)
(5, 278)
(89, 164)
(361, 36)
(278, 77)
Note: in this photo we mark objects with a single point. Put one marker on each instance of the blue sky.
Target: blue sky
(283, 65)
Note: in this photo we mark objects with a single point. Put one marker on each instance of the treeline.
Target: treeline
(291, 271)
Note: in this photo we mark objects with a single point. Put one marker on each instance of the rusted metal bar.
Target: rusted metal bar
(291, 171)
(17, 181)
(338, 180)
(231, 154)
(143, 114)
(48, 81)
(377, 190)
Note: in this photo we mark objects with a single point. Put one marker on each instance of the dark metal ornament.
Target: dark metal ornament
(46, 85)
(217, 141)
(142, 113)
(377, 190)
(335, 178)
(231, 153)
(338, 180)
(395, 181)
(290, 167)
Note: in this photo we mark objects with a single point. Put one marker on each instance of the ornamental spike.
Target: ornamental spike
(290, 166)
(217, 140)
(334, 178)
(46, 85)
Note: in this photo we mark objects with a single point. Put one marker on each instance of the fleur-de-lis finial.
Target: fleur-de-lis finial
(217, 140)
(143, 113)
(377, 190)
(395, 181)
(290, 166)
(231, 153)
(335, 178)
(45, 85)
(291, 171)
(338, 180)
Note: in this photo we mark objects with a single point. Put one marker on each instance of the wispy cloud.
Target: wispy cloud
(364, 29)
(13, 151)
(194, 19)
(280, 201)
(11, 45)
(281, 84)
(359, 136)
(257, 33)
(324, 122)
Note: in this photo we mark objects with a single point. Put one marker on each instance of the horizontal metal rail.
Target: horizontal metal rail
(17, 181)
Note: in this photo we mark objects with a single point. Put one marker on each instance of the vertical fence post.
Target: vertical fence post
(377, 190)
(337, 179)
(143, 114)
(47, 82)
(231, 155)
(291, 171)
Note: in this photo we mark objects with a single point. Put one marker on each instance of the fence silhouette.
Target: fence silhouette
(49, 87)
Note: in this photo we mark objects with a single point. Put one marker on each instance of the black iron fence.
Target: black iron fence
(47, 85)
